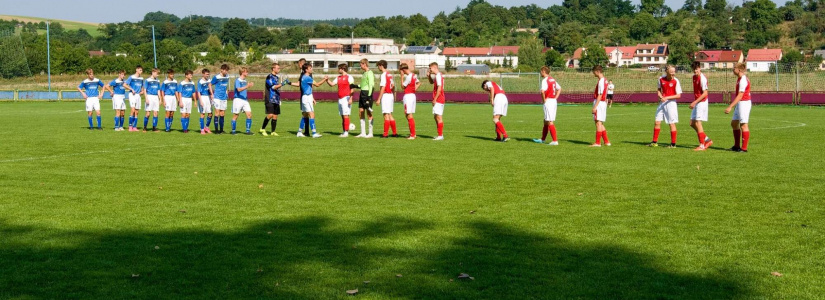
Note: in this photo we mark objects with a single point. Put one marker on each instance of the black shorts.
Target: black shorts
(365, 100)
(609, 96)
(272, 108)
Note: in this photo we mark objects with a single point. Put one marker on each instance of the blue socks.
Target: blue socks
(154, 122)
(208, 121)
(99, 122)
(300, 128)
(312, 125)
(234, 123)
(248, 125)
(222, 122)
(90, 122)
(217, 128)
(201, 123)
(145, 122)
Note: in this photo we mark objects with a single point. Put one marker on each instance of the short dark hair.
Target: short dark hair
(188, 72)
(204, 71)
(139, 67)
(433, 64)
(343, 67)
(597, 68)
(170, 71)
(121, 72)
(404, 66)
(484, 84)
(382, 63)
(696, 65)
(225, 67)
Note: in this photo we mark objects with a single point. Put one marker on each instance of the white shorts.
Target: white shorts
(118, 102)
(500, 105)
(134, 101)
(409, 103)
(152, 103)
(742, 112)
(92, 104)
(170, 103)
(387, 103)
(240, 105)
(187, 105)
(220, 104)
(550, 106)
(306, 103)
(344, 107)
(601, 110)
(438, 109)
(700, 112)
(668, 112)
(205, 106)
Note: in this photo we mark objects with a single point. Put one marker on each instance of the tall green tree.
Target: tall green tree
(530, 57)
(234, 31)
(594, 55)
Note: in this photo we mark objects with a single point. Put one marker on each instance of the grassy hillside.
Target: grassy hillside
(68, 25)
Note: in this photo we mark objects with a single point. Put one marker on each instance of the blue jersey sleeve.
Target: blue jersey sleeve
(214, 80)
(100, 83)
(113, 83)
(81, 85)
(180, 87)
(128, 81)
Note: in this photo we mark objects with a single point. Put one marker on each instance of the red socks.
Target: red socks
(746, 135)
(394, 129)
(412, 126)
(598, 137)
(604, 137)
(737, 135)
(552, 132)
(656, 134)
(500, 130)
(544, 131)
(386, 127)
(673, 137)
(702, 137)
(346, 123)
(440, 127)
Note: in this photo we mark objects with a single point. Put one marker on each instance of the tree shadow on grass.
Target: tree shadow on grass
(313, 258)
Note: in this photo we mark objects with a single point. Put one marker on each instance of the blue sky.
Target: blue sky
(118, 11)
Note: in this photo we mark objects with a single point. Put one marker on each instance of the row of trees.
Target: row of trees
(798, 25)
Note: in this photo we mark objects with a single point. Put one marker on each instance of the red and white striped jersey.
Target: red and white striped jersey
(743, 86)
(494, 87)
(601, 89)
(700, 85)
(386, 82)
(670, 87)
(438, 81)
(409, 83)
(549, 86)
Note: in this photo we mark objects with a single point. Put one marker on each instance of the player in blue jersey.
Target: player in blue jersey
(204, 97)
(241, 103)
(91, 89)
(170, 97)
(273, 101)
(187, 91)
(220, 85)
(134, 84)
(117, 87)
(306, 83)
(151, 89)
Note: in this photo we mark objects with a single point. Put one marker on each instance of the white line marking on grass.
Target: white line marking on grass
(100, 152)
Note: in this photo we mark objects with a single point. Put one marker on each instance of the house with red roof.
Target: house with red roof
(651, 54)
(761, 60)
(718, 59)
(480, 55)
(620, 56)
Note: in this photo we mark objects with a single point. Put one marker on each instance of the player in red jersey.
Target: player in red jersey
(344, 82)
(741, 106)
(437, 80)
(600, 107)
(550, 91)
(499, 102)
(700, 106)
(670, 90)
(410, 83)
(387, 97)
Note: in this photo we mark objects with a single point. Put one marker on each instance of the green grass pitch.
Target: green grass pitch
(103, 214)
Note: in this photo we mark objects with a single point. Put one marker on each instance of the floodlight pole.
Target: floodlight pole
(48, 56)
(154, 47)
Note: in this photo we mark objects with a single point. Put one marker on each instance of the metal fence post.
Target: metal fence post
(776, 70)
(797, 76)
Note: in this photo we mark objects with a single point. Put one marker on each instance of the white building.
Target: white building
(761, 60)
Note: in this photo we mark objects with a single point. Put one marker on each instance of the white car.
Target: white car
(653, 69)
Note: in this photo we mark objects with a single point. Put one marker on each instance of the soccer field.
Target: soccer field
(103, 214)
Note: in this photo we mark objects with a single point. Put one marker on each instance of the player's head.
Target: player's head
(697, 67)
(276, 68)
(188, 74)
(301, 63)
(434, 67)
(545, 71)
(90, 73)
(306, 68)
(670, 71)
(243, 71)
(342, 68)
(139, 70)
(224, 69)
(170, 73)
(155, 72)
(382, 65)
(365, 64)
(610, 81)
(121, 74)
(739, 69)
(484, 85)
(404, 68)
(205, 73)
(597, 71)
